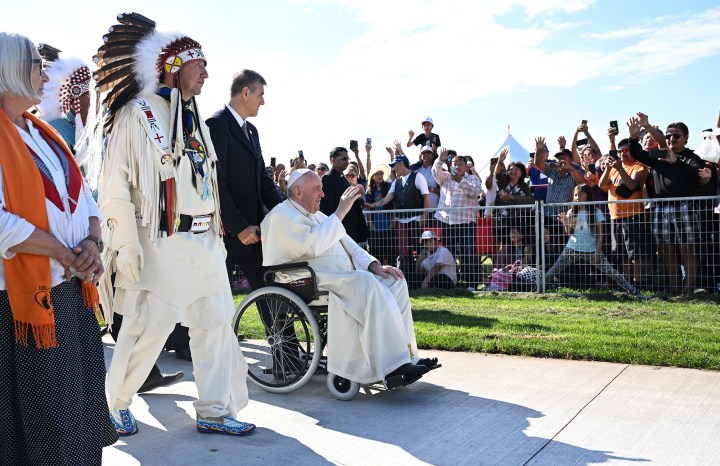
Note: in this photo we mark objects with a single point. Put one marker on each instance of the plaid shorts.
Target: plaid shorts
(675, 223)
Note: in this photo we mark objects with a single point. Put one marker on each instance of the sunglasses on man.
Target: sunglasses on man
(674, 136)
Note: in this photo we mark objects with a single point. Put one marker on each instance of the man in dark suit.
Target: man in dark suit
(334, 185)
(246, 189)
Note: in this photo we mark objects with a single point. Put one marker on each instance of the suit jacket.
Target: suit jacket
(334, 185)
(247, 191)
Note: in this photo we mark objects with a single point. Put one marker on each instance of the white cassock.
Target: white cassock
(370, 325)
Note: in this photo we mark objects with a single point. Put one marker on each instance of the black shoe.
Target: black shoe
(160, 380)
(428, 362)
(184, 354)
(405, 375)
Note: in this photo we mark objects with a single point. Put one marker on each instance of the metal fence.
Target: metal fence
(649, 245)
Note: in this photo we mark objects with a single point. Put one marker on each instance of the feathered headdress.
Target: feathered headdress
(49, 53)
(133, 58)
(68, 80)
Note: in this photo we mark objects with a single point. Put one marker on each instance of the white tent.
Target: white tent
(517, 153)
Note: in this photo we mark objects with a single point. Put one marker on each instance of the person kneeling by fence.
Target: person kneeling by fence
(435, 263)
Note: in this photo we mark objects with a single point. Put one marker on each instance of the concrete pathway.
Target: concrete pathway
(478, 409)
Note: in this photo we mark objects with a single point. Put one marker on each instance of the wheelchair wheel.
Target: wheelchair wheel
(342, 388)
(279, 337)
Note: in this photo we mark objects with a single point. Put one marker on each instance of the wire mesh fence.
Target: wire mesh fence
(648, 245)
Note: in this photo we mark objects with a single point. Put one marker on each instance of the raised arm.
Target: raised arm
(654, 132)
(411, 135)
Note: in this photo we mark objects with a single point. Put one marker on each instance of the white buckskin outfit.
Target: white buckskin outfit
(148, 187)
(370, 326)
(183, 277)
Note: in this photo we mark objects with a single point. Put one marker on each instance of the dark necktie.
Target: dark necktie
(247, 134)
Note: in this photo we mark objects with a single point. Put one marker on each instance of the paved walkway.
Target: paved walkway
(477, 409)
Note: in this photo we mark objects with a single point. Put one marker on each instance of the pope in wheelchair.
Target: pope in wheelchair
(370, 331)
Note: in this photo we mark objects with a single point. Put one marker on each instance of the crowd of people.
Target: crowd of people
(668, 245)
(135, 206)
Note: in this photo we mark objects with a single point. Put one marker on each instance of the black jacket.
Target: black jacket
(247, 191)
(334, 185)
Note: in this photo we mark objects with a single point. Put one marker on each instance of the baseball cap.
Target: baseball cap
(428, 234)
(426, 149)
(427, 120)
(400, 158)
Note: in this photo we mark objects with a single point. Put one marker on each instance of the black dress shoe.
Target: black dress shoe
(160, 380)
(405, 375)
(428, 362)
(184, 354)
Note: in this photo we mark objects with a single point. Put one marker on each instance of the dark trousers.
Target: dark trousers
(250, 264)
(460, 240)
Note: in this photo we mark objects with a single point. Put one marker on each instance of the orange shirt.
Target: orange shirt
(624, 210)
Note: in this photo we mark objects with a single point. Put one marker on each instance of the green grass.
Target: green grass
(677, 331)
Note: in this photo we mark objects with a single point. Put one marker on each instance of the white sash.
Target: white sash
(155, 131)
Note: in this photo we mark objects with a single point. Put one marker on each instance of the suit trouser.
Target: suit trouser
(250, 264)
(219, 366)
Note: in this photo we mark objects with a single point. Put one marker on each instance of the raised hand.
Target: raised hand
(612, 132)
(539, 145)
(411, 133)
(347, 200)
(633, 124)
(562, 142)
(643, 119)
(444, 154)
(503, 155)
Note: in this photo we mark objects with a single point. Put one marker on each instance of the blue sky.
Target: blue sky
(340, 69)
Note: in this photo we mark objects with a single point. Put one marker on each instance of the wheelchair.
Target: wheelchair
(282, 330)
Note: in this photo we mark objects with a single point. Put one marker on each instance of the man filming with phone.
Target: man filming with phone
(623, 179)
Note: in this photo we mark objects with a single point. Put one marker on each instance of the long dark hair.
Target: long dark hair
(590, 210)
(383, 187)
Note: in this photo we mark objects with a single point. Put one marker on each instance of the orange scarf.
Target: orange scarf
(27, 276)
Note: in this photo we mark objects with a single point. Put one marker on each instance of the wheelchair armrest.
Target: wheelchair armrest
(288, 266)
(305, 288)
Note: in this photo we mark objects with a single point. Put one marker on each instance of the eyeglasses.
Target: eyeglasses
(675, 136)
(322, 169)
(351, 175)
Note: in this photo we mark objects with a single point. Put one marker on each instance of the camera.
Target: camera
(272, 161)
(613, 155)
(368, 142)
(658, 154)
(353, 144)
(614, 126)
(300, 154)
(584, 122)
(453, 170)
